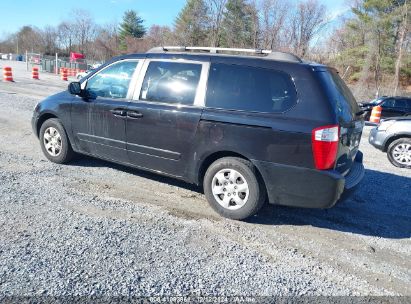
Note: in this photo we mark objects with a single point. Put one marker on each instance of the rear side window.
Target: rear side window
(171, 82)
(247, 88)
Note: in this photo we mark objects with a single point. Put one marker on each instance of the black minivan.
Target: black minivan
(390, 106)
(250, 126)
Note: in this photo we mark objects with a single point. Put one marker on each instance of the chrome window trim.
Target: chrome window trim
(199, 99)
(134, 78)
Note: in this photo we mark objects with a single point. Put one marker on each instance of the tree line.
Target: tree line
(370, 45)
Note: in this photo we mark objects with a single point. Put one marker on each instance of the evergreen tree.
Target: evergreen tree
(237, 25)
(371, 40)
(132, 26)
(191, 24)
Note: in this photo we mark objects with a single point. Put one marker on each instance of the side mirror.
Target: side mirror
(90, 95)
(75, 88)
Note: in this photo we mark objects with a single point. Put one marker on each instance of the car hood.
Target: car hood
(400, 118)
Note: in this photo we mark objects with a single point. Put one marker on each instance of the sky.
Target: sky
(40, 13)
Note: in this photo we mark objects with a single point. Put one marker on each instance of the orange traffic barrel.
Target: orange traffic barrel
(64, 74)
(35, 73)
(376, 114)
(7, 74)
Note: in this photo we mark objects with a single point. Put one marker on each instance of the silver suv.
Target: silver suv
(394, 137)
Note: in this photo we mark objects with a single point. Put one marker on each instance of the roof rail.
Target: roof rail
(269, 54)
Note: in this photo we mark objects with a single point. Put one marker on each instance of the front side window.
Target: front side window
(247, 88)
(114, 81)
(171, 82)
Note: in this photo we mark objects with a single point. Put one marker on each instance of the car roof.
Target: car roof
(234, 59)
(207, 53)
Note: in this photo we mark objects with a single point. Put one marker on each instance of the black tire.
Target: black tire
(256, 193)
(391, 151)
(66, 152)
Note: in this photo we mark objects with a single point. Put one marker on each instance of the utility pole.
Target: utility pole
(57, 64)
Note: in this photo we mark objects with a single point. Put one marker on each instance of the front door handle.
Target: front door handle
(118, 112)
(134, 114)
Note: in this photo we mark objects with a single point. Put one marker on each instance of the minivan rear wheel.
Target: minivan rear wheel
(399, 153)
(233, 188)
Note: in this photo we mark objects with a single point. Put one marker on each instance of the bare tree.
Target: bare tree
(107, 42)
(216, 14)
(137, 45)
(404, 32)
(160, 35)
(28, 38)
(65, 36)
(49, 37)
(306, 21)
(273, 17)
(84, 28)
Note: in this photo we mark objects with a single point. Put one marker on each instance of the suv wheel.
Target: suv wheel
(233, 189)
(399, 153)
(54, 142)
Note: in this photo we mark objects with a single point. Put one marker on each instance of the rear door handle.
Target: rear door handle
(134, 114)
(118, 112)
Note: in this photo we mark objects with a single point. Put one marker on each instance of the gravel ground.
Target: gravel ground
(95, 228)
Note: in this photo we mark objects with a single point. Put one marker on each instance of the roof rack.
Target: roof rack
(269, 54)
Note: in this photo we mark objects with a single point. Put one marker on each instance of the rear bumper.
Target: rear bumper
(308, 188)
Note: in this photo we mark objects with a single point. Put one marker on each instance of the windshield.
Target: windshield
(375, 101)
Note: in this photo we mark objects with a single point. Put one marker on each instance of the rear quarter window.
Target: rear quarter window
(339, 95)
(245, 88)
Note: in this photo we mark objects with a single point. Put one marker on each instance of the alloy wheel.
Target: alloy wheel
(52, 141)
(402, 154)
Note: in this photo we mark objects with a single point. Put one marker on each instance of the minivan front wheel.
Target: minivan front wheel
(233, 189)
(54, 142)
(399, 153)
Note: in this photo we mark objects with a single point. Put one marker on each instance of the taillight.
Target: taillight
(325, 146)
